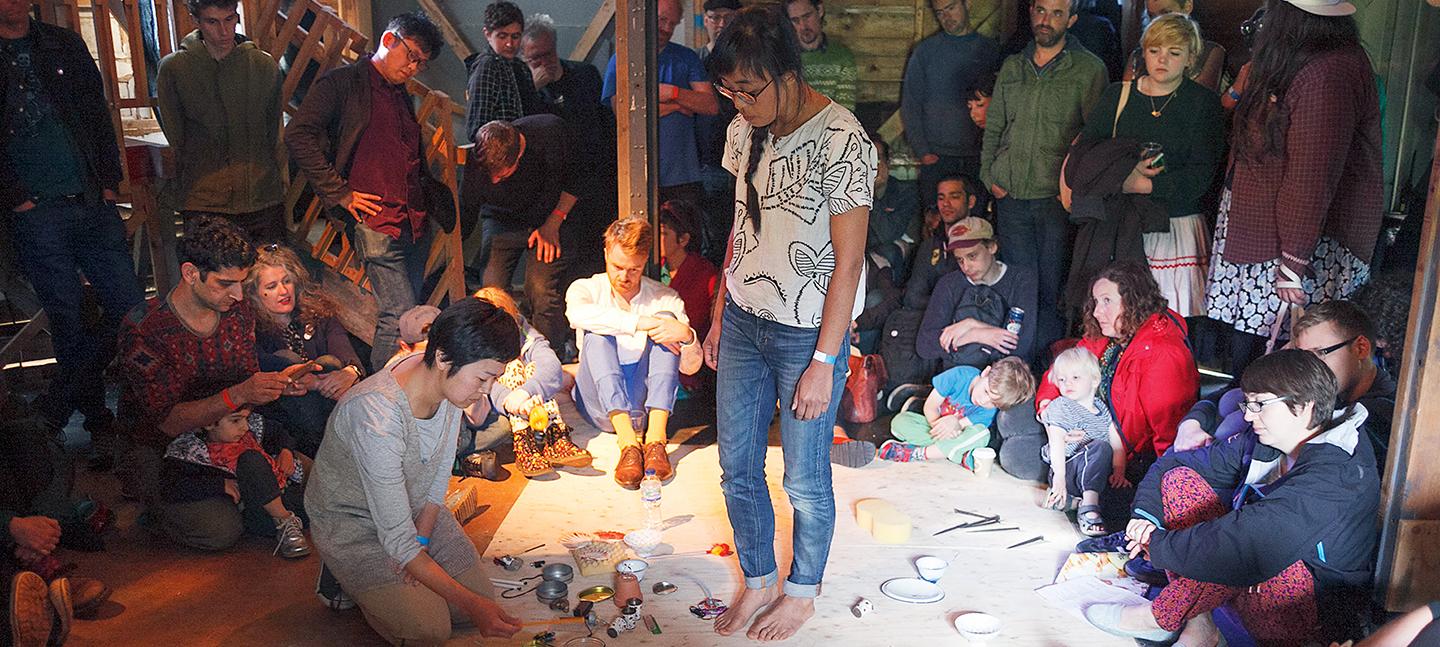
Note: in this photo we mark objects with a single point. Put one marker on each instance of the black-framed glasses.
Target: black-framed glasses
(1254, 406)
(410, 55)
(747, 98)
(1322, 352)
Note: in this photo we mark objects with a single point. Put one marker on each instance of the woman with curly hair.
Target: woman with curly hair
(295, 322)
(1147, 374)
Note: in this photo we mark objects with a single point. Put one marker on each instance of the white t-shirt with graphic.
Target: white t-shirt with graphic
(823, 169)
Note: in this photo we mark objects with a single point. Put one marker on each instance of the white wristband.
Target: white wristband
(823, 358)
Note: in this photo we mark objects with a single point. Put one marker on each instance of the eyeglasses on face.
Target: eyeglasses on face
(1322, 352)
(421, 63)
(747, 98)
(1254, 406)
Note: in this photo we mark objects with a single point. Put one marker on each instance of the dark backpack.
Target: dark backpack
(981, 303)
(897, 348)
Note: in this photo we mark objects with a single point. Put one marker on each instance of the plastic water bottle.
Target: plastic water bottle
(650, 497)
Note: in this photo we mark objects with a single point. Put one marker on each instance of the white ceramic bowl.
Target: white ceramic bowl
(978, 627)
(931, 568)
(634, 567)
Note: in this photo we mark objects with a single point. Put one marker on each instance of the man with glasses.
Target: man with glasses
(219, 105)
(938, 77)
(357, 141)
(685, 92)
(1341, 335)
(829, 66)
(718, 183)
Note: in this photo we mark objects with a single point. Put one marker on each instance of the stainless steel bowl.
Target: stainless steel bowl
(549, 591)
(557, 573)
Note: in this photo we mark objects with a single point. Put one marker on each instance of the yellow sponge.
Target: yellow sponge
(883, 521)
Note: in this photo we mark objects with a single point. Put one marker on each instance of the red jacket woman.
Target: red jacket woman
(1148, 375)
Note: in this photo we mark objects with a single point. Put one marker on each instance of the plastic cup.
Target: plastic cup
(984, 461)
(931, 568)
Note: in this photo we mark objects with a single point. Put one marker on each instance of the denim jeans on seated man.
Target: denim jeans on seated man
(760, 364)
(57, 241)
(604, 386)
(396, 268)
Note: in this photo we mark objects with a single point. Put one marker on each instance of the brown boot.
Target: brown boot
(87, 594)
(561, 451)
(529, 456)
(631, 467)
(31, 614)
(656, 459)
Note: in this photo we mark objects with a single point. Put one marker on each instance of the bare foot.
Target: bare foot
(782, 620)
(1138, 618)
(1200, 632)
(749, 602)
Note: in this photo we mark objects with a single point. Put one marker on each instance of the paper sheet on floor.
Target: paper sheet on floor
(1075, 594)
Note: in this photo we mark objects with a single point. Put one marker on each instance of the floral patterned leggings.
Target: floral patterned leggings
(1279, 610)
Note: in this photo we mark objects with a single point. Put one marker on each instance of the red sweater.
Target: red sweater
(695, 281)
(1155, 384)
(1327, 181)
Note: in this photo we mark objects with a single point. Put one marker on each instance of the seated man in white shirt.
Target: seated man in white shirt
(634, 341)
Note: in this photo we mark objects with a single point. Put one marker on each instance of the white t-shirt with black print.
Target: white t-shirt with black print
(823, 169)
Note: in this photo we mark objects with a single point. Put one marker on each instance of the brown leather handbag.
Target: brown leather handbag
(862, 388)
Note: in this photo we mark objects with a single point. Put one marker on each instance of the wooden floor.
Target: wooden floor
(168, 595)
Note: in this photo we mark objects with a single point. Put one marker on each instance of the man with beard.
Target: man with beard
(173, 349)
(938, 78)
(829, 66)
(1041, 98)
(954, 199)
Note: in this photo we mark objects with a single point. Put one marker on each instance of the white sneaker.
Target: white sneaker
(290, 540)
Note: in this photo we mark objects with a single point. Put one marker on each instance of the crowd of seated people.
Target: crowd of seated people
(247, 408)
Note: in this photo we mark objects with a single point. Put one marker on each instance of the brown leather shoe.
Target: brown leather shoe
(631, 467)
(656, 459)
(60, 601)
(31, 616)
(87, 594)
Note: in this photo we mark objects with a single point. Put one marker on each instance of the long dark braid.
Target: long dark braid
(759, 42)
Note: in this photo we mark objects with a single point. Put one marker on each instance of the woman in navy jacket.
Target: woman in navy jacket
(1278, 521)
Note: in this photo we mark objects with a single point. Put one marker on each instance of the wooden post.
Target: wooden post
(1410, 495)
(636, 116)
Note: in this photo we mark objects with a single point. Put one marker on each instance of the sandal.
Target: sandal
(1091, 523)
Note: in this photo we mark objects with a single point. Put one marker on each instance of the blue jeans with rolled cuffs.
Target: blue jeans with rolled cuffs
(761, 363)
(603, 385)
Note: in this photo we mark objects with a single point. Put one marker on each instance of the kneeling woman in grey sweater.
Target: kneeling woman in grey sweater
(377, 494)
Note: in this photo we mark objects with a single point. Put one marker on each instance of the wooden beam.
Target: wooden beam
(637, 117)
(586, 45)
(1410, 495)
(453, 37)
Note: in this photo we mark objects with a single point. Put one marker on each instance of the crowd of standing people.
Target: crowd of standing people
(1092, 223)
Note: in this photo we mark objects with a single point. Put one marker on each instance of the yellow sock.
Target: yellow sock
(655, 432)
(624, 430)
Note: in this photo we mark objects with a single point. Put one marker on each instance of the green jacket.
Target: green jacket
(831, 70)
(222, 120)
(1033, 117)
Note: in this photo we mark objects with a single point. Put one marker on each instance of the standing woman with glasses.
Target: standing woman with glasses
(793, 282)
(1278, 521)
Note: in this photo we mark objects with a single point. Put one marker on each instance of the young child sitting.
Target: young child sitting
(1080, 426)
(254, 477)
(958, 413)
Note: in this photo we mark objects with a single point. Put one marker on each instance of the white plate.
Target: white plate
(913, 590)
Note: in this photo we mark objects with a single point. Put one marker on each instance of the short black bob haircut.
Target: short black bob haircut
(471, 330)
(212, 243)
(417, 26)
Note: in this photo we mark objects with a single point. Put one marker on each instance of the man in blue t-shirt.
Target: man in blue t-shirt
(684, 92)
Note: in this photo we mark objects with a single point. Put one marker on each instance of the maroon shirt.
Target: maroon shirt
(163, 363)
(387, 161)
(1327, 181)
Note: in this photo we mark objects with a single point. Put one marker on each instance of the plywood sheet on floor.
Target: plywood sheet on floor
(984, 576)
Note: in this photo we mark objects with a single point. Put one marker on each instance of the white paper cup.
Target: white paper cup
(931, 568)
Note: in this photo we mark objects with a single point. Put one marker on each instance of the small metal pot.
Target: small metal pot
(549, 591)
(557, 573)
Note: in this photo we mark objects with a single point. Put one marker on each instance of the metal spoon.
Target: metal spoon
(663, 588)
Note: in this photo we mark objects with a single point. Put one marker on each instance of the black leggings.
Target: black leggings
(259, 487)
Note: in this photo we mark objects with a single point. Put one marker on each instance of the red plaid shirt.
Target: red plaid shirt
(1328, 181)
(163, 363)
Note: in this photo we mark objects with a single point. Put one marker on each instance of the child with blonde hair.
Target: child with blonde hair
(1080, 430)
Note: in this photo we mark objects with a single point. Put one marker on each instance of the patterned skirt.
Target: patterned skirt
(1178, 260)
(1243, 294)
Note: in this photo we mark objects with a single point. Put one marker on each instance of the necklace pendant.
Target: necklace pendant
(1154, 113)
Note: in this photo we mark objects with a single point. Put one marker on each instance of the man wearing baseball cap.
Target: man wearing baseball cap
(965, 320)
